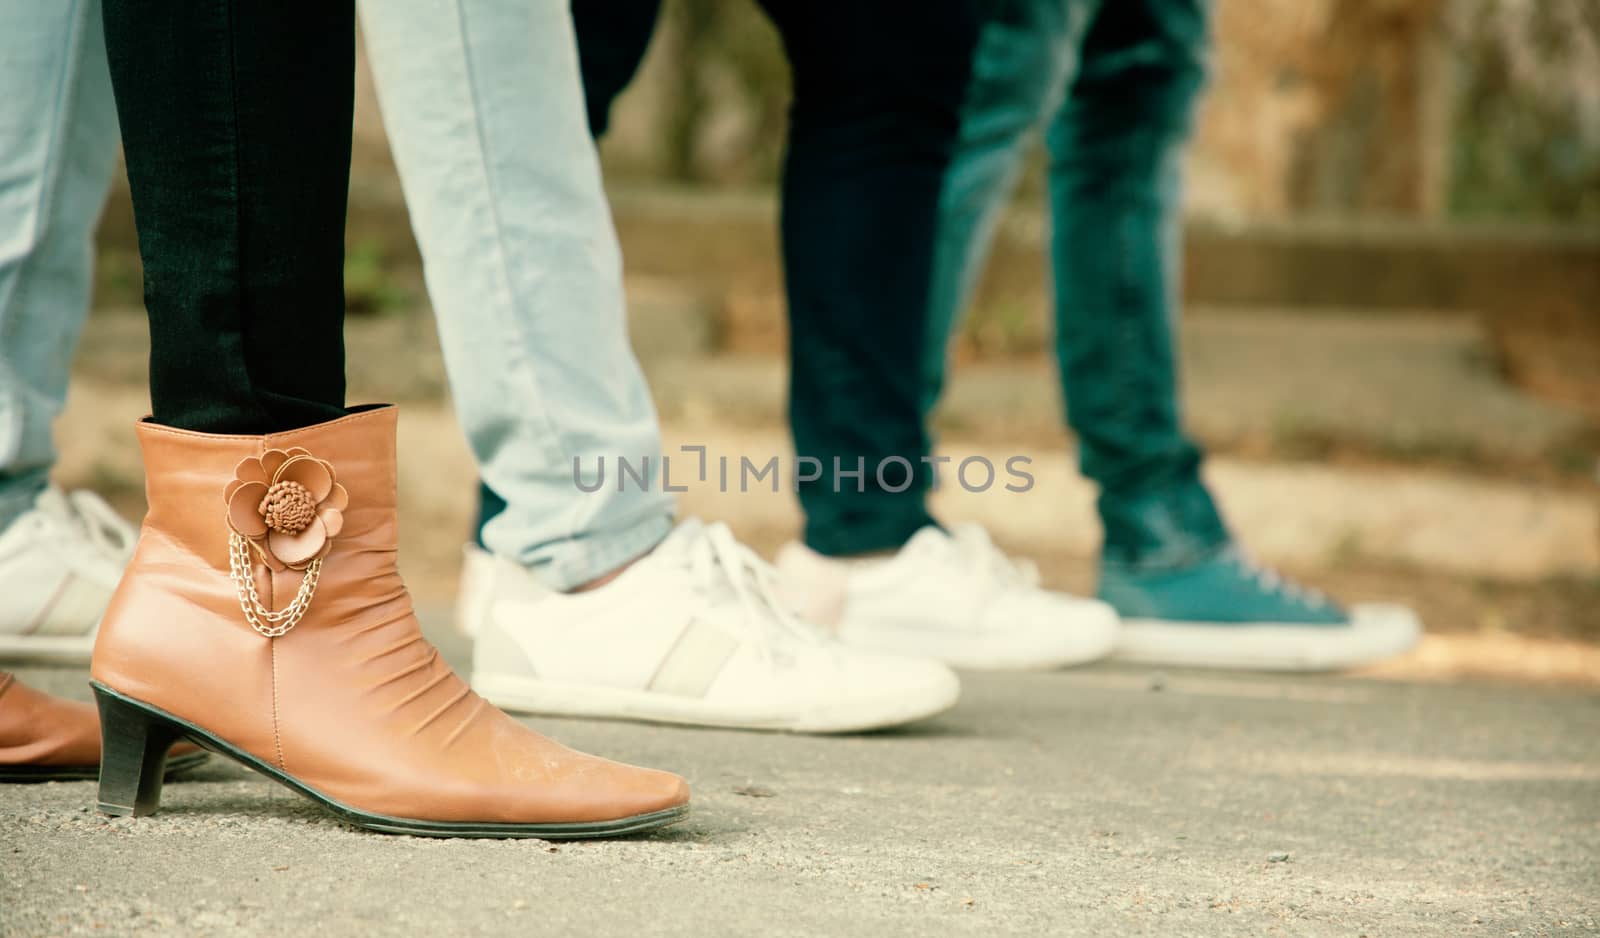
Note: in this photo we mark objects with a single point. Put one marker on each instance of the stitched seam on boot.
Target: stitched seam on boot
(277, 740)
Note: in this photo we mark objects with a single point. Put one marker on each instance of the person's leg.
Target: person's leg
(1186, 594)
(483, 105)
(1115, 149)
(263, 611)
(60, 553)
(588, 606)
(59, 559)
(612, 38)
(866, 195)
(238, 153)
(1026, 55)
(877, 95)
(58, 145)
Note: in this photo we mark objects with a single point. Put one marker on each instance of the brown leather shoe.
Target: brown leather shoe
(263, 616)
(48, 739)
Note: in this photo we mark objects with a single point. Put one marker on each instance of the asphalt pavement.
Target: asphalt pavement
(1099, 801)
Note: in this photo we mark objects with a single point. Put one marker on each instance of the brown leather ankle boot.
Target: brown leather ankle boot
(263, 617)
(44, 738)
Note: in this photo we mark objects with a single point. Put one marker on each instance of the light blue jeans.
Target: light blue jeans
(58, 146)
(1112, 85)
(484, 108)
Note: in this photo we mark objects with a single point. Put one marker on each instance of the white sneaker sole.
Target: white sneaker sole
(1375, 632)
(51, 649)
(1073, 643)
(550, 698)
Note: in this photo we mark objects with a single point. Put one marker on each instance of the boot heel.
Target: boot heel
(133, 755)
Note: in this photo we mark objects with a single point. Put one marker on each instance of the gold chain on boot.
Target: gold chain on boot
(288, 506)
(259, 616)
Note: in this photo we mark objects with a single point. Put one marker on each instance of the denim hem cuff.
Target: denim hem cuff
(18, 493)
(569, 564)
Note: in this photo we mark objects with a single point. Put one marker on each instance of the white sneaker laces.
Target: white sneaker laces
(91, 520)
(978, 552)
(722, 566)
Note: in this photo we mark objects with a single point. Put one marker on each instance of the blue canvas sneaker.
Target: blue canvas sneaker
(1225, 611)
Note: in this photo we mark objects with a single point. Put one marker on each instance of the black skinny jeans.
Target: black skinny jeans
(236, 123)
(878, 89)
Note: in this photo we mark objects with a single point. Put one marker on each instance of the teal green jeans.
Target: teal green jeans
(1112, 86)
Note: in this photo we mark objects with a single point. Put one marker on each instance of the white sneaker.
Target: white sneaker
(690, 633)
(59, 563)
(472, 595)
(953, 596)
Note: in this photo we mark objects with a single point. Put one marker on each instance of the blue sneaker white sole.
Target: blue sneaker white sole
(1374, 633)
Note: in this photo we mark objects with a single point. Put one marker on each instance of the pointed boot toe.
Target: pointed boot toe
(263, 616)
(609, 788)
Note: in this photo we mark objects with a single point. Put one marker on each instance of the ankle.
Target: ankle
(865, 558)
(607, 577)
(18, 496)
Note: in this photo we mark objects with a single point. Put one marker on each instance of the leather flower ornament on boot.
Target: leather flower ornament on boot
(284, 508)
(263, 617)
(287, 505)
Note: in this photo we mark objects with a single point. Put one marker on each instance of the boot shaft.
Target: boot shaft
(187, 476)
(178, 619)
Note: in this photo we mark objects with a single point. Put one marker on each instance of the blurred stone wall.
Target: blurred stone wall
(1408, 108)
